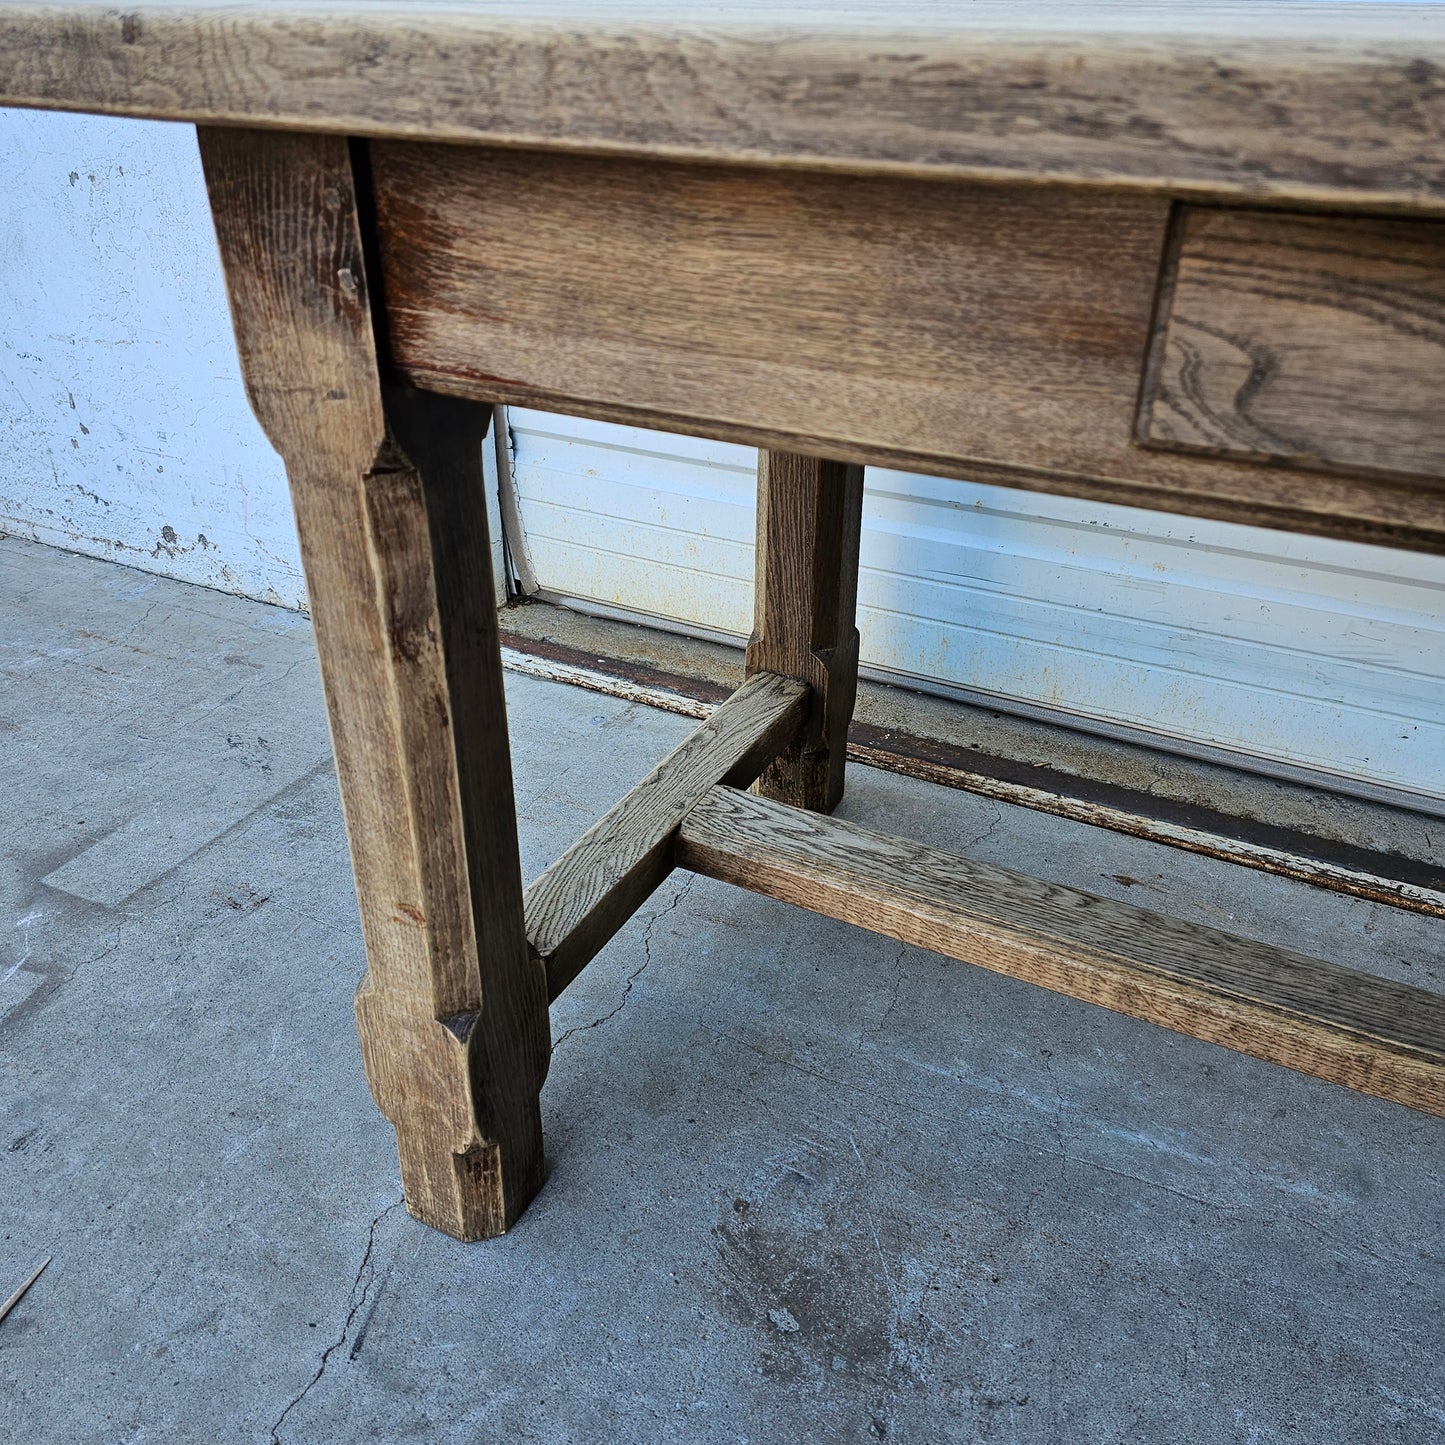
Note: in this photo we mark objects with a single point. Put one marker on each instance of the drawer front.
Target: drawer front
(1311, 341)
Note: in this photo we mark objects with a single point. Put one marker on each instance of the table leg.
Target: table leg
(389, 499)
(805, 596)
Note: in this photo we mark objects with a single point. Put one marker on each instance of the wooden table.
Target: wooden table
(1184, 256)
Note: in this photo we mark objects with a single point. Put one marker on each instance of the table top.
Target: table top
(1303, 100)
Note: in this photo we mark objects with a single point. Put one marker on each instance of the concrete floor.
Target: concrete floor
(805, 1184)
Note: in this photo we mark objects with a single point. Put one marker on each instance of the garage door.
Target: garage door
(1295, 655)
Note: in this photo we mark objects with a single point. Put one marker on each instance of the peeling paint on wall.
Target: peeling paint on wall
(126, 433)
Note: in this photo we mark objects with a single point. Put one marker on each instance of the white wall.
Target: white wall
(126, 432)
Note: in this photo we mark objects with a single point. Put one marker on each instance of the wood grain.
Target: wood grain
(1318, 341)
(1349, 1027)
(996, 333)
(1325, 103)
(809, 524)
(607, 874)
(389, 499)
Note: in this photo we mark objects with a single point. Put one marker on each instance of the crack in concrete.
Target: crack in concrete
(69, 973)
(53, 976)
(897, 987)
(546, 791)
(638, 971)
(992, 827)
(365, 1274)
(876, 1028)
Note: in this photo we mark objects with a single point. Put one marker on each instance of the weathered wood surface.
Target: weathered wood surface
(1324, 102)
(389, 501)
(1380, 1037)
(1313, 340)
(606, 875)
(805, 597)
(996, 332)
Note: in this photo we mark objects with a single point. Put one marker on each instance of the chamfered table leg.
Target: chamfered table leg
(389, 499)
(805, 596)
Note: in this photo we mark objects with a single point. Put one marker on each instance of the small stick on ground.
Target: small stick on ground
(20, 1293)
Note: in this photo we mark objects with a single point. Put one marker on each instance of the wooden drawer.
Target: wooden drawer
(995, 332)
(1313, 341)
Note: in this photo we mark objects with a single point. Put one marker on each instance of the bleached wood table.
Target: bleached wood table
(1185, 256)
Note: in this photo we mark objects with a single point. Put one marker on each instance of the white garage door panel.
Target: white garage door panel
(1311, 653)
(640, 520)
